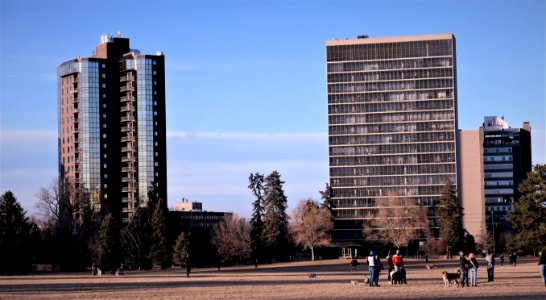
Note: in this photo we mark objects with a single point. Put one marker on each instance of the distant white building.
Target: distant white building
(186, 205)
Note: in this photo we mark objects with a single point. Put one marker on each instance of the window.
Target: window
(103, 75)
(103, 66)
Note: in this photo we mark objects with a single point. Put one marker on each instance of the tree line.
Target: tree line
(72, 235)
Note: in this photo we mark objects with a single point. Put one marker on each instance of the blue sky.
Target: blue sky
(246, 81)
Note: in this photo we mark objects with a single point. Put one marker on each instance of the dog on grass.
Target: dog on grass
(431, 267)
(451, 277)
(312, 276)
(354, 282)
(398, 277)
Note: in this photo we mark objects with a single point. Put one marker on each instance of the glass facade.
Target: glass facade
(145, 122)
(392, 124)
(89, 120)
(506, 161)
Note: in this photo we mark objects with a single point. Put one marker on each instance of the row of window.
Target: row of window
(428, 190)
(389, 75)
(372, 202)
(391, 117)
(390, 86)
(391, 159)
(389, 181)
(389, 50)
(443, 168)
(382, 128)
(390, 96)
(389, 107)
(392, 138)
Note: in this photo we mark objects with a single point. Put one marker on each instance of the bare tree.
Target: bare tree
(310, 225)
(231, 237)
(51, 199)
(397, 221)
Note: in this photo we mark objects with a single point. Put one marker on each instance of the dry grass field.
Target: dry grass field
(277, 281)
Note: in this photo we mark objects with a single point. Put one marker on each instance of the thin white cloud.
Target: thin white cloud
(9, 135)
(247, 135)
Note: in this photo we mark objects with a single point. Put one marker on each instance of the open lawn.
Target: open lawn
(278, 281)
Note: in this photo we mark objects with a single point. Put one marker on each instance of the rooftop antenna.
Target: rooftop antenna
(120, 34)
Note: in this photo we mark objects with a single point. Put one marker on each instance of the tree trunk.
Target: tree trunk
(312, 254)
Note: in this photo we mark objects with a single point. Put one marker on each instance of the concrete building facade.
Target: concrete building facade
(112, 134)
(392, 124)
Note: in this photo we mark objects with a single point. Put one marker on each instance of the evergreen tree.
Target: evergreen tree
(328, 201)
(529, 214)
(180, 250)
(256, 223)
(136, 240)
(15, 256)
(160, 250)
(109, 241)
(275, 223)
(450, 219)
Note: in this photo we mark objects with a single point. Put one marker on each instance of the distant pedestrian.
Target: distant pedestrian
(515, 259)
(372, 264)
(542, 265)
(378, 268)
(390, 265)
(94, 271)
(426, 258)
(473, 269)
(188, 265)
(490, 259)
(463, 266)
(354, 264)
(501, 258)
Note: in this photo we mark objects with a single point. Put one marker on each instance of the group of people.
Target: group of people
(468, 264)
(394, 262)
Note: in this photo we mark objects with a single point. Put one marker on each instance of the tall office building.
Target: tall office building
(112, 136)
(392, 116)
(495, 159)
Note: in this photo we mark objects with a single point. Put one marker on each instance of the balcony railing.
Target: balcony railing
(128, 119)
(127, 149)
(128, 190)
(128, 139)
(127, 108)
(127, 128)
(126, 159)
(127, 98)
(126, 88)
(128, 169)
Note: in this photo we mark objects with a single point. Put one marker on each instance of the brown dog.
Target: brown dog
(449, 277)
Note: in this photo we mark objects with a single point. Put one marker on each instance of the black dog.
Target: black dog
(398, 277)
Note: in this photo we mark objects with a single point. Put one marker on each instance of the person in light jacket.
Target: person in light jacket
(473, 269)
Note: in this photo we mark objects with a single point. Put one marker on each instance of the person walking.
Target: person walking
(502, 259)
(354, 264)
(372, 264)
(490, 259)
(463, 265)
(542, 265)
(390, 265)
(473, 269)
(378, 268)
(188, 265)
(514, 259)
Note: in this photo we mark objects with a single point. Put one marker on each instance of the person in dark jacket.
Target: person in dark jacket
(390, 265)
(463, 265)
(542, 264)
